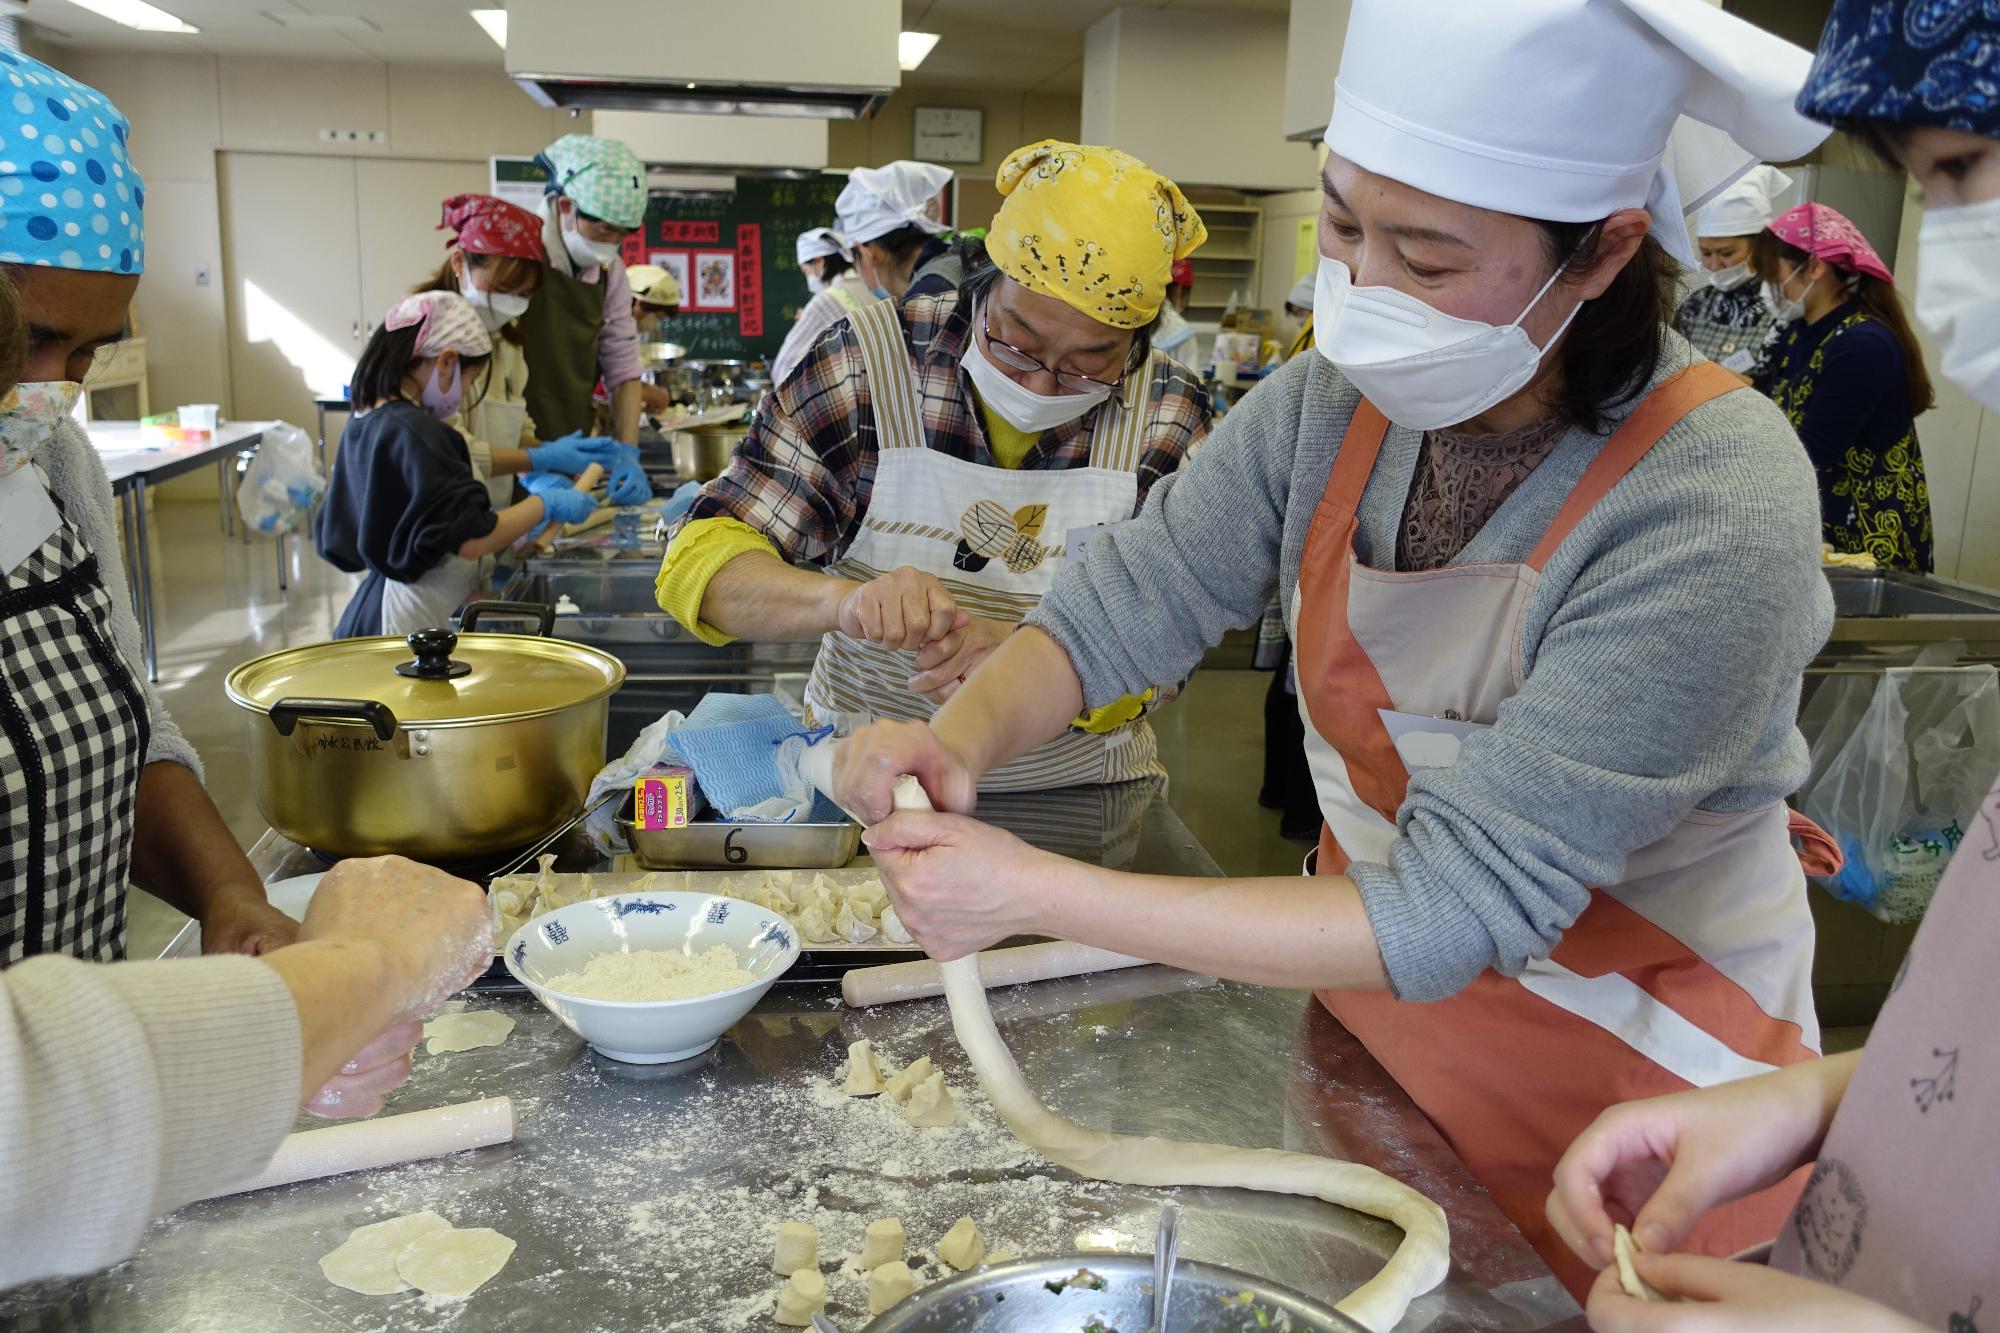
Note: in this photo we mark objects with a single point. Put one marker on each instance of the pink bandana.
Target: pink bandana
(1825, 234)
(449, 323)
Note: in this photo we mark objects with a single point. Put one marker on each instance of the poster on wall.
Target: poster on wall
(674, 262)
(714, 280)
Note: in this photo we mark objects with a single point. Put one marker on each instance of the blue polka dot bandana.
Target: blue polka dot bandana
(69, 195)
(1913, 62)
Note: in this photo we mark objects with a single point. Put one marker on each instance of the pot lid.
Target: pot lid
(434, 677)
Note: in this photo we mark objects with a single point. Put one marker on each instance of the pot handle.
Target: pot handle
(468, 619)
(287, 713)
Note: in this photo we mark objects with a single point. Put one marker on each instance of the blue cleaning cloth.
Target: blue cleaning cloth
(731, 743)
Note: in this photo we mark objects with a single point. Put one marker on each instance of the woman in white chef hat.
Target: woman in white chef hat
(893, 216)
(1727, 318)
(827, 260)
(1552, 578)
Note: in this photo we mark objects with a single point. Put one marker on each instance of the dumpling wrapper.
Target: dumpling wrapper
(366, 1260)
(1624, 1249)
(815, 926)
(871, 892)
(466, 1031)
(852, 928)
(892, 928)
(455, 1263)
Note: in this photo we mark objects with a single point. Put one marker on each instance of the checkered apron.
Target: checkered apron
(73, 735)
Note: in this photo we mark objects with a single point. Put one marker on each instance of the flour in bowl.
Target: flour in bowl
(654, 974)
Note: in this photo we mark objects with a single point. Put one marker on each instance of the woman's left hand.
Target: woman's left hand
(364, 1083)
(959, 885)
(243, 922)
(1723, 1296)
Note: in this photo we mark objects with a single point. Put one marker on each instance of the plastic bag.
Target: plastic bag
(282, 483)
(1900, 763)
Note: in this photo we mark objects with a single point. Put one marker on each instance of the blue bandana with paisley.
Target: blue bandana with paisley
(1913, 62)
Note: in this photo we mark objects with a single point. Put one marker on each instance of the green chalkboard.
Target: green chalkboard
(735, 256)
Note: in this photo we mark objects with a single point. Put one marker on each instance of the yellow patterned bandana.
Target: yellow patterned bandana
(1093, 227)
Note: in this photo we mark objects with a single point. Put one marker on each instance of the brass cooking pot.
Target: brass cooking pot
(445, 747)
(703, 453)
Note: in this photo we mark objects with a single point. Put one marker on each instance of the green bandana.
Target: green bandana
(603, 176)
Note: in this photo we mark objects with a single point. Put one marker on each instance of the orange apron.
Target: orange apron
(1693, 970)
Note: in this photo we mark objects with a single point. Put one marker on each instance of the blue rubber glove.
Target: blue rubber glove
(576, 451)
(567, 504)
(629, 485)
(534, 483)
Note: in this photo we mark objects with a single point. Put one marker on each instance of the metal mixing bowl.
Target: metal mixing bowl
(1016, 1295)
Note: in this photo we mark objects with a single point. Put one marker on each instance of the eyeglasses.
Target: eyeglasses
(1014, 358)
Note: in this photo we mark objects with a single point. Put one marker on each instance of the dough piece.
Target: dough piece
(1625, 1250)
(1419, 1263)
(892, 928)
(884, 1245)
(366, 1260)
(814, 925)
(854, 929)
(864, 1075)
(931, 1106)
(797, 1248)
(801, 1298)
(889, 1283)
(466, 1031)
(999, 1257)
(778, 884)
(903, 1084)
(454, 1263)
(962, 1246)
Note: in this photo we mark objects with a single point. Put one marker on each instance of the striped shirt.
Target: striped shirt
(803, 474)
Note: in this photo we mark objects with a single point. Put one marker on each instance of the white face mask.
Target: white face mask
(815, 283)
(495, 309)
(1019, 406)
(1423, 368)
(1787, 309)
(1729, 279)
(584, 252)
(1958, 295)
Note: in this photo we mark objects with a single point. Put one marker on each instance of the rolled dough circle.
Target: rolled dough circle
(455, 1263)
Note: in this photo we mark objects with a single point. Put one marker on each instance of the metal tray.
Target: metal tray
(1017, 1295)
(715, 845)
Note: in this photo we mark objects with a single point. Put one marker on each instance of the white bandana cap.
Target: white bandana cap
(821, 242)
(1745, 208)
(1568, 110)
(448, 324)
(879, 200)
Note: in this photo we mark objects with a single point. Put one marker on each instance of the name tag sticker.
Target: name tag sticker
(27, 516)
(1427, 742)
(1739, 361)
(1078, 540)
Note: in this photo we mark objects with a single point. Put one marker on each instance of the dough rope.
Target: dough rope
(1421, 1259)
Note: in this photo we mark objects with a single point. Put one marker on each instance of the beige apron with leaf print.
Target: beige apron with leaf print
(994, 537)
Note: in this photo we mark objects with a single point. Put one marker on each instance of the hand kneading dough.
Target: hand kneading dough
(453, 1264)
(1419, 1263)
(888, 1284)
(962, 1246)
(466, 1031)
(902, 1085)
(864, 1075)
(798, 1247)
(1624, 1249)
(366, 1261)
(801, 1298)
(931, 1106)
(884, 1244)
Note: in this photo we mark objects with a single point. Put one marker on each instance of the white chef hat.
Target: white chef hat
(879, 200)
(821, 242)
(1302, 293)
(1745, 208)
(1567, 110)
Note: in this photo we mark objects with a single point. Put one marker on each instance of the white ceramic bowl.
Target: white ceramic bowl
(651, 1032)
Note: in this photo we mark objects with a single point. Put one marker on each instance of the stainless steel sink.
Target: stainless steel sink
(1884, 612)
(1870, 595)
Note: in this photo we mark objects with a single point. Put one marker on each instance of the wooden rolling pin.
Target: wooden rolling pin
(367, 1144)
(920, 980)
(586, 480)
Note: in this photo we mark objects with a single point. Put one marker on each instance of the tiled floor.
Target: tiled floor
(218, 605)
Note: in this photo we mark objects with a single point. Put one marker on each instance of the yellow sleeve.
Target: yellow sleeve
(695, 554)
(1115, 714)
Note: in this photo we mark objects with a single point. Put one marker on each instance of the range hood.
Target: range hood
(800, 58)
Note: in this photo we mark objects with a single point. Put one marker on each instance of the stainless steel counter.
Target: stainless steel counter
(647, 1198)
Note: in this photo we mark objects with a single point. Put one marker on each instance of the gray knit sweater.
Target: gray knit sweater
(1662, 648)
(78, 479)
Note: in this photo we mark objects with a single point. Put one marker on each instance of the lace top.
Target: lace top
(1462, 478)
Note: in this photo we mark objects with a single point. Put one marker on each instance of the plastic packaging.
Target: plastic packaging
(281, 483)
